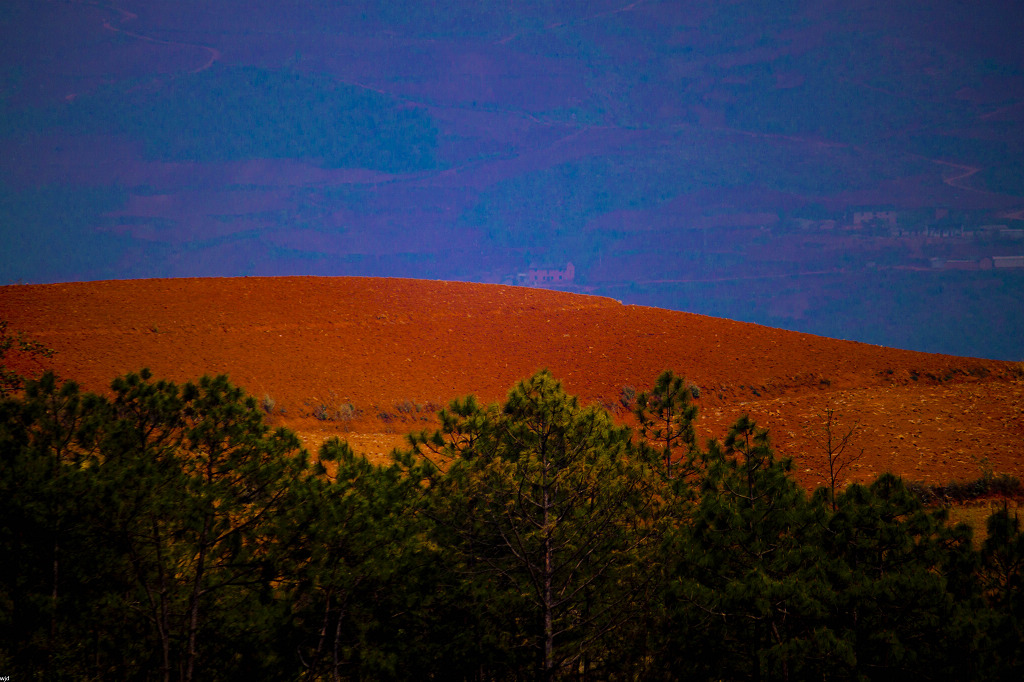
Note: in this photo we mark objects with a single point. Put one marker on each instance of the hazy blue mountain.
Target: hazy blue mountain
(847, 168)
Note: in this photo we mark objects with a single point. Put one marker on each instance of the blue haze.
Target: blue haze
(704, 156)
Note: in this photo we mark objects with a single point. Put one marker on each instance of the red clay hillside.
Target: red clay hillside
(370, 360)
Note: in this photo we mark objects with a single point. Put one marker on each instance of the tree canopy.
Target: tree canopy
(167, 532)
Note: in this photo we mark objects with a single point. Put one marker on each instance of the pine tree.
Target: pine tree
(200, 480)
(552, 508)
(747, 592)
(1002, 580)
(666, 415)
(362, 577)
(898, 574)
(56, 574)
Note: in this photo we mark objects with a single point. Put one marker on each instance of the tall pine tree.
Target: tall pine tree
(553, 510)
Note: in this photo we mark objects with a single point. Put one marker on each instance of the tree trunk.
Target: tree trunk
(335, 657)
(193, 607)
(53, 598)
(549, 629)
(162, 626)
(314, 667)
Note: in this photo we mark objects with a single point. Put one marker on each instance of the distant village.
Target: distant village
(967, 240)
(934, 239)
(544, 276)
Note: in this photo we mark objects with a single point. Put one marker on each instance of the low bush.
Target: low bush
(994, 485)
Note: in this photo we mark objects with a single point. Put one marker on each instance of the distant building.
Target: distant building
(536, 277)
(989, 232)
(1008, 261)
(955, 264)
(865, 217)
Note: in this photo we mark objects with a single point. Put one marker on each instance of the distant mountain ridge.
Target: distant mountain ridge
(668, 149)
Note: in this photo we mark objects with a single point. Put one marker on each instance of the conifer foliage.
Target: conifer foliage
(666, 414)
(552, 511)
(166, 532)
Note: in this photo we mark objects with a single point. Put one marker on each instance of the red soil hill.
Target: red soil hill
(375, 357)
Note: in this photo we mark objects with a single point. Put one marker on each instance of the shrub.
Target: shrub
(343, 413)
(964, 491)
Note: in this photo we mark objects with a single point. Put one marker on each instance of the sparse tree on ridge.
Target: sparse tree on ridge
(835, 444)
(666, 414)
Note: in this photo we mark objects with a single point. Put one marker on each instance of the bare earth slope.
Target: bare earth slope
(375, 357)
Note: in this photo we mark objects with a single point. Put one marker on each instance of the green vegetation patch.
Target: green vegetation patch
(224, 114)
(165, 531)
